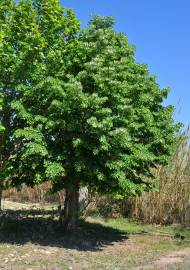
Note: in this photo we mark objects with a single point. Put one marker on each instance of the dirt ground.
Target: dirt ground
(173, 260)
(118, 256)
(30, 240)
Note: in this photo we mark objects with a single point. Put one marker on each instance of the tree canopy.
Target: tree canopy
(99, 120)
(79, 109)
(30, 34)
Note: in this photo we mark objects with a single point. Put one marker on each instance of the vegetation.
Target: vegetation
(168, 204)
(171, 203)
(76, 108)
(28, 31)
(33, 36)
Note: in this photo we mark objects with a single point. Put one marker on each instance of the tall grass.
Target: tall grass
(38, 194)
(171, 203)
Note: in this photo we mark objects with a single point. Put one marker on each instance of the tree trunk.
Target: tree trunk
(1, 193)
(69, 215)
(83, 200)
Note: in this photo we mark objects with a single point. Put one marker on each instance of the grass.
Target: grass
(32, 239)
(133, 227)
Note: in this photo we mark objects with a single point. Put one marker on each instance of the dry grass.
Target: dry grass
(171, 204)
(38, 194)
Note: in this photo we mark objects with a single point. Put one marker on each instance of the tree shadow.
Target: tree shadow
(41, 227)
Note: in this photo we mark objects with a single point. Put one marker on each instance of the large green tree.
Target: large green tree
(98, 121)
(33, 35)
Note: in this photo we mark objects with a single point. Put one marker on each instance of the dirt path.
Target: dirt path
(174, 260)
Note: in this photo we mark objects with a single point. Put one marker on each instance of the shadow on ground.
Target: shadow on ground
(41, 227)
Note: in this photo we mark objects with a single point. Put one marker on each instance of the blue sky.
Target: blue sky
(160, 30)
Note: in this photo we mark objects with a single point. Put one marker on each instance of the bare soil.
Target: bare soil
(173, 260)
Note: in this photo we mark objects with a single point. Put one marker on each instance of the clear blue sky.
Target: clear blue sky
(160, 30)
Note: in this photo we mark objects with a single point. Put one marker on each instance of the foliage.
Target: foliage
(91, 115)
(30, 34)
(19, 45)
(171, 203)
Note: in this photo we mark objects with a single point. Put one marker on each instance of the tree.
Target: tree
(20, 45)
(31, 35)
(98, 121)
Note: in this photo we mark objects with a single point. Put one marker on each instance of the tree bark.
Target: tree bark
(1, 193)
(83, 200)
(70, 213)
